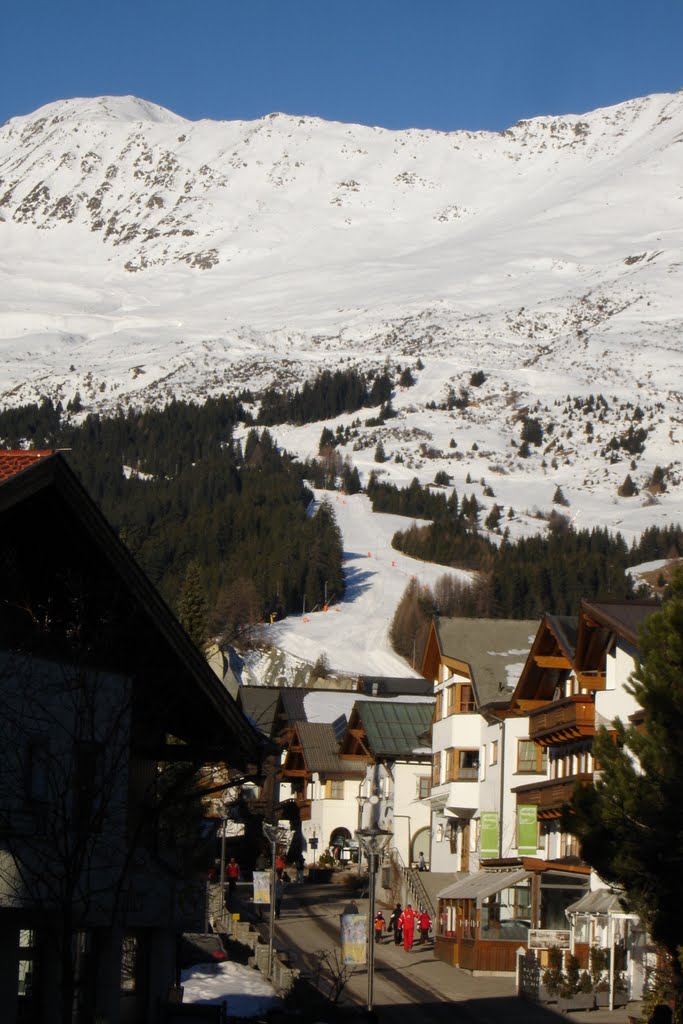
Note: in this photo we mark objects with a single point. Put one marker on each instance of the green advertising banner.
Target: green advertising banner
(527, 830)
(489, 834)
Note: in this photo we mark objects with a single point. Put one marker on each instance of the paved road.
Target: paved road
(409, 988)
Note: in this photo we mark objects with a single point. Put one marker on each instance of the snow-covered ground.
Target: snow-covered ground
(243, 990)
(353, 632)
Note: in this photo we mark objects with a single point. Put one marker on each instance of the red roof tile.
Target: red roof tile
(13, 461)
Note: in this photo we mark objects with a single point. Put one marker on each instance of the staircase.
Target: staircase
(413, 882)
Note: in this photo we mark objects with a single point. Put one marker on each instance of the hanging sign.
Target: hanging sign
(489, 834)
(354, 933)
(261, 886)
(527, 829)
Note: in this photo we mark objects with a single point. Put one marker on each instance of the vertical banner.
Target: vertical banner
(489, 834)
(527, 830)
(262, 887)
(354, 935)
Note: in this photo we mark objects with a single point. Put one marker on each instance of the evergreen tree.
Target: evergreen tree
(629, 821)
(192, 605)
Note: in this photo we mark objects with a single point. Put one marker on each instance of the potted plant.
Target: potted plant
(577, 991)
(323, 871)
(553, 978)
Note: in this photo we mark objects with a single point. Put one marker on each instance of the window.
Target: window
(423, 787)
(26, 966)
(129, 962)
(462, 765)
(436, 769)
(531, 757)
(569, 845)
(334, 789)
(494, 752)
(438, 707)
(460, 699)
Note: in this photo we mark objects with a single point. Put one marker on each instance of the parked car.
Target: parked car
(201, 948)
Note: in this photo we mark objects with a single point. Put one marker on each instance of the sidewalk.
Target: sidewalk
(403, 981)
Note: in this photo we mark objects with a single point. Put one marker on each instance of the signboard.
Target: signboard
(313, 843)
(527, 830)
(489, 834)
(354, 934)
(544, 938)
(261, 886)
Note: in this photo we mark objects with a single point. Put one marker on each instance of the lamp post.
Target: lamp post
(373, 842)
(362, 801)
(273, 834)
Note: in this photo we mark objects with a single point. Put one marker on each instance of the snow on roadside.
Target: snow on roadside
(243, 991)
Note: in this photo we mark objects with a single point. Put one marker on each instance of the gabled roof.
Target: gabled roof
(550, 658)
(620, 617)
(395, 729)
(13, 460)
(52, 536)
(320, 749)
(260, 705)
(494, 651)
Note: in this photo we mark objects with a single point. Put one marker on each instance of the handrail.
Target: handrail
(414, 883)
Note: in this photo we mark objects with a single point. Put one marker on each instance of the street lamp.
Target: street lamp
(362, 801)
(274, 834)
(373, 842)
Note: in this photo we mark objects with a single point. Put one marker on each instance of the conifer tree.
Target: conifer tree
(192, 605)
(629, 821)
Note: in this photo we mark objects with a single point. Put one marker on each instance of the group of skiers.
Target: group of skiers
(403, 923)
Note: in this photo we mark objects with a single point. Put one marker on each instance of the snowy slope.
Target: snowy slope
(144, 256)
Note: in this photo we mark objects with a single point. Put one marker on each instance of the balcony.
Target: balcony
(550, 796)
(563, 720)
(461, 796)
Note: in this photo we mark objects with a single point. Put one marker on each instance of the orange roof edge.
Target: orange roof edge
(15, 460)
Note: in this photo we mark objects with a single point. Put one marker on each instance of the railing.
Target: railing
(569, 718)
(550, 795)
(413, 882)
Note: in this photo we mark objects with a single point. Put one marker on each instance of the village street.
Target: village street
(408, 987)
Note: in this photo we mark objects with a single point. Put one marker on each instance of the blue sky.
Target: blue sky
(444, 64)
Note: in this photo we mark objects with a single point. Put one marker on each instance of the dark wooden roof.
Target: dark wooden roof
(58, 551)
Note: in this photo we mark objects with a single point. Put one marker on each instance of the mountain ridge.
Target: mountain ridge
(147, 259)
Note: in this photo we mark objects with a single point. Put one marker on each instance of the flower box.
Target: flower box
(580, 1001)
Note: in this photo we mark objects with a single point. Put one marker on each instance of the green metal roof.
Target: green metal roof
(395, 729)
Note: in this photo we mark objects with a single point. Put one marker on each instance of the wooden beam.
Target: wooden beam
(551, 661)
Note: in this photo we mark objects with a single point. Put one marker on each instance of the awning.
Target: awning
(483, 884)
(600, 901)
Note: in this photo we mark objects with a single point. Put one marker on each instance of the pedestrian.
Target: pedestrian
(232, 873)
(279, 893)
(300, 864)
(407, 923)
(422, 863)
(425, 923)
(261, 862)
(394, 925)
(280, 863)
(350, 908)
(380, 926)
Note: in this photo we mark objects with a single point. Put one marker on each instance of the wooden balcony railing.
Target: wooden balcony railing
(567, 719)
(552, 795)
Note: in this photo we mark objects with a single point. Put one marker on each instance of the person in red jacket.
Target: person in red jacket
(407, 923)
(425, 925)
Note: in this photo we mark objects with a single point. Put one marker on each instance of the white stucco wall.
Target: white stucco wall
(614, 702)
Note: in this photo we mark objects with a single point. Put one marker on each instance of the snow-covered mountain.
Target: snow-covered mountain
(144, 256)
